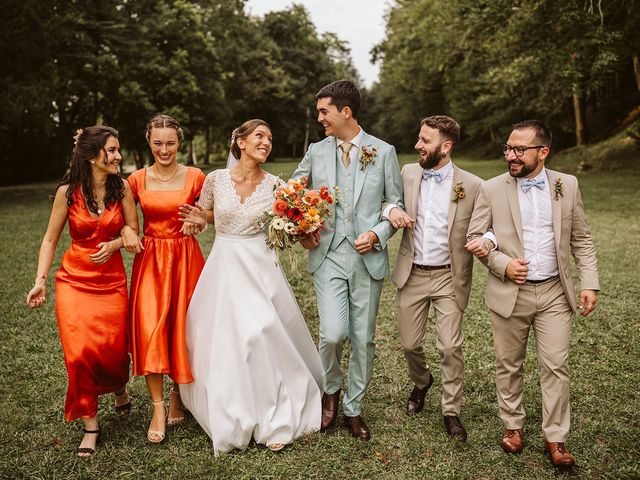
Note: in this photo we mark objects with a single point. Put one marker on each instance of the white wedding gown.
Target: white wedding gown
(257, 371)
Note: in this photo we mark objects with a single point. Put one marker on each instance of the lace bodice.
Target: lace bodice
(230, 216)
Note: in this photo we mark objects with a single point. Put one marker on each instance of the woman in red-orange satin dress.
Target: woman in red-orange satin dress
(165, 273)
(91, 285)
(163, 278)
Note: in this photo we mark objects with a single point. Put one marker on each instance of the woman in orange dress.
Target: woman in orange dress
(165, 273)
(91, 285)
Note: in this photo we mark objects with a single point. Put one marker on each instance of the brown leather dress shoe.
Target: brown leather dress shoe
(415, 404)
(357, 427)
(455, 429)
(559, 455)
(329, 410)
(513, 441)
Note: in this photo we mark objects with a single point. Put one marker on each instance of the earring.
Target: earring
(92, 162)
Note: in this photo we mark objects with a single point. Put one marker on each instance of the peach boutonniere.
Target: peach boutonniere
(366, 157)
(458, 192)
(557, 189)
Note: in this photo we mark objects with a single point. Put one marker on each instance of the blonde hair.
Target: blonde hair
(164, 121)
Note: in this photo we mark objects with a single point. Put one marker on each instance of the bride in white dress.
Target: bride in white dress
(257, 371)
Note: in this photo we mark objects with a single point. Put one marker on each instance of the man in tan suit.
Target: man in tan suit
(433, 268)
(537, 217)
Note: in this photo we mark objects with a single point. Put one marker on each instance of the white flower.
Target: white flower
(278, 223)
(289, 228)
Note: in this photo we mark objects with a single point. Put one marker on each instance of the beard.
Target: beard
(526, 169)
(432, 158)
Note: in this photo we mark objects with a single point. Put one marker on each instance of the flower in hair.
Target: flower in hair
(76, 137)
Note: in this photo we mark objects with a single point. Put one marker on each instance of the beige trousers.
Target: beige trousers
(423, 289)
(544, 307)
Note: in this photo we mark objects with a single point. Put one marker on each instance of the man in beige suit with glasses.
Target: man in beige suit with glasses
(538, 220)
(433, 268)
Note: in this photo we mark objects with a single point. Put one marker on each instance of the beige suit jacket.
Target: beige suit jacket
(459, 216)
(498, 209)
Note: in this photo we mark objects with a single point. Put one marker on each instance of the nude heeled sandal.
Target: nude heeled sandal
(156, 436)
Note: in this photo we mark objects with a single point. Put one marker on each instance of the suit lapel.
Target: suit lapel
(514, 205)
(414, 192)
(361, 175)
(556, 208)
(330, 159)
(453, 206)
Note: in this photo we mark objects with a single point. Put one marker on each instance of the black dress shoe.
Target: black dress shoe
(415, 404)
(455, 429)
(329, 410)
(357, 427)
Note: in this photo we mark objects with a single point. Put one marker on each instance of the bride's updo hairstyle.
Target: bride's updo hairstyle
(243, 131)
(164, 121)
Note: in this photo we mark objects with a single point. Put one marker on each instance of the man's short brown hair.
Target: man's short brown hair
(447, 126)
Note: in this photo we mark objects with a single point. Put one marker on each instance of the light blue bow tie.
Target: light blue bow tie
(527, 184)
(428, 173)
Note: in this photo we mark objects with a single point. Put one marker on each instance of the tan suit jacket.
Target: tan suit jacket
(497, 208)
(459, 217)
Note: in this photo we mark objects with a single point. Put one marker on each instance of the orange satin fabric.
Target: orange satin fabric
(91, 310)
(163, 279)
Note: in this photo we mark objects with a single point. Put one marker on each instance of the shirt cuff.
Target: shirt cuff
(387, 210)
(492, 237)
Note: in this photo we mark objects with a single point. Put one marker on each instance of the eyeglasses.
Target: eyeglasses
(518, 150)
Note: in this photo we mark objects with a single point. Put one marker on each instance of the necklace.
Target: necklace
(155, 172)
(98, 202)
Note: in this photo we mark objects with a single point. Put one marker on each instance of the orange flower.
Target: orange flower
(280, 207)
(312, 197)
(303, 225)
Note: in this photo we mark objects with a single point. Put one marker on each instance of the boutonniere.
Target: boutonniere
(366, 157)
(458, 192)
(557, 189)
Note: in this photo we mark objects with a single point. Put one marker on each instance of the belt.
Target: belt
(536, 282)
(431, 267)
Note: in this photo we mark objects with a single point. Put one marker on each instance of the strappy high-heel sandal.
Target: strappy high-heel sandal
(87, 451)
(156, 436)
(125, 408)
(175, 406)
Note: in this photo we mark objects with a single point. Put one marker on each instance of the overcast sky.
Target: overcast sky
(359, 22)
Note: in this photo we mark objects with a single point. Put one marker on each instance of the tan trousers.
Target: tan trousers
(423, 289)
(544, 307)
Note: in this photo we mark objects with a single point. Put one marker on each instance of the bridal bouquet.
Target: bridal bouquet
(296, 212)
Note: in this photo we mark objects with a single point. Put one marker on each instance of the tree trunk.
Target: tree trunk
(306, 132)
(579, 114)
(190, 152)
(207, 145)
(636, 67)
(138, 156)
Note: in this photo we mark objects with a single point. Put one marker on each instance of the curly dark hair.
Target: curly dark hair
(90, 143)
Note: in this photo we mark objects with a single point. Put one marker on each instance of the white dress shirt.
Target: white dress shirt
(430, 234)
(537, 229)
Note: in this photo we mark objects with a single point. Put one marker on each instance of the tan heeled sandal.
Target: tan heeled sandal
(176, 408)
(156, 436)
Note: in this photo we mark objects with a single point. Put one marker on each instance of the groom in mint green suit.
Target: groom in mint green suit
(349, 259)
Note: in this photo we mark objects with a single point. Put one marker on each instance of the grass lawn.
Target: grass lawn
(36, 443)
